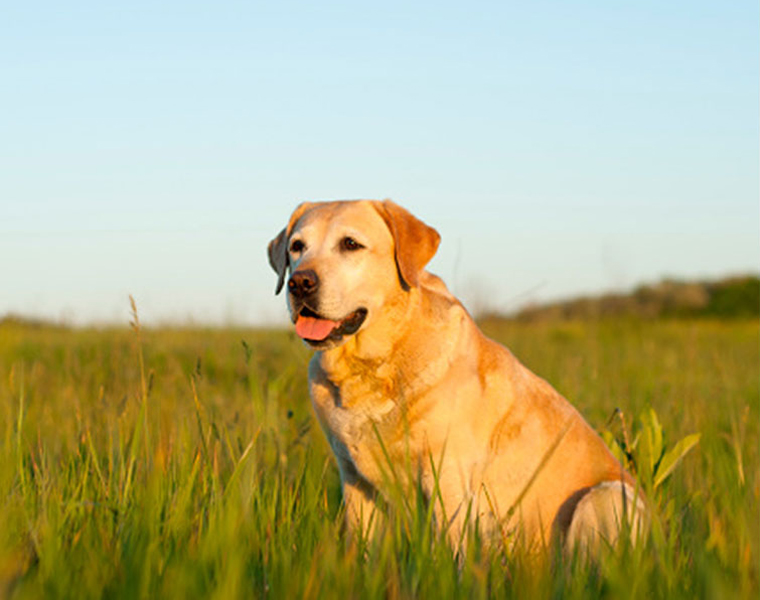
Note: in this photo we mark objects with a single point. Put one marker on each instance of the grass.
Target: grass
(187, 463)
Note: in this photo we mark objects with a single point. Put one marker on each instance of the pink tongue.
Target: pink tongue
(310, 328)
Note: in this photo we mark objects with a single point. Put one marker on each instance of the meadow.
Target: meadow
(183, 463)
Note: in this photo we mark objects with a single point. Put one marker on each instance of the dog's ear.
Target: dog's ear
(278, 247)
(415, 242)
(278, 257)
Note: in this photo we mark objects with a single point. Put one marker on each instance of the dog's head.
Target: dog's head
(345, 260)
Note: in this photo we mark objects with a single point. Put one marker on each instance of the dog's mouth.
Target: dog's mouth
(317, 330)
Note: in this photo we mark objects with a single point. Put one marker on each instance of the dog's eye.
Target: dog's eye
(350, 244)
(297, 246)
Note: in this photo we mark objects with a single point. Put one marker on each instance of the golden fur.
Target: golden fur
(419, 384)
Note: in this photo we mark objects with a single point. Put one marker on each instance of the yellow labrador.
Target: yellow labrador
(403, 376)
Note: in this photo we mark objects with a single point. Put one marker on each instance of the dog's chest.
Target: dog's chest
(360, 417)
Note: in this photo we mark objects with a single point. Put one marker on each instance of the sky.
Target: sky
(560, 148)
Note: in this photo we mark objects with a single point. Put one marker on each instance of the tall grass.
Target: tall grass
(186, 463)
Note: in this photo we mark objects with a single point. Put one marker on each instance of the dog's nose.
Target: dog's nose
(303, 283)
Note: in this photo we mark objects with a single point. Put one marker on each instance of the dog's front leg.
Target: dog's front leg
(359, 502)
(361, 511)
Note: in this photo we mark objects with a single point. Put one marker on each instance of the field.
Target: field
(186, 463)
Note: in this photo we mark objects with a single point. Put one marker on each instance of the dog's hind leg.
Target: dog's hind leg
(602, 514)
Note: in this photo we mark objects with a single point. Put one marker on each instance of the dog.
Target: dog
(403, 376)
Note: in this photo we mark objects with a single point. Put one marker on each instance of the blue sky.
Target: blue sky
(559, 147)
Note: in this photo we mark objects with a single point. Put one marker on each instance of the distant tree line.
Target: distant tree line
(733, 297)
